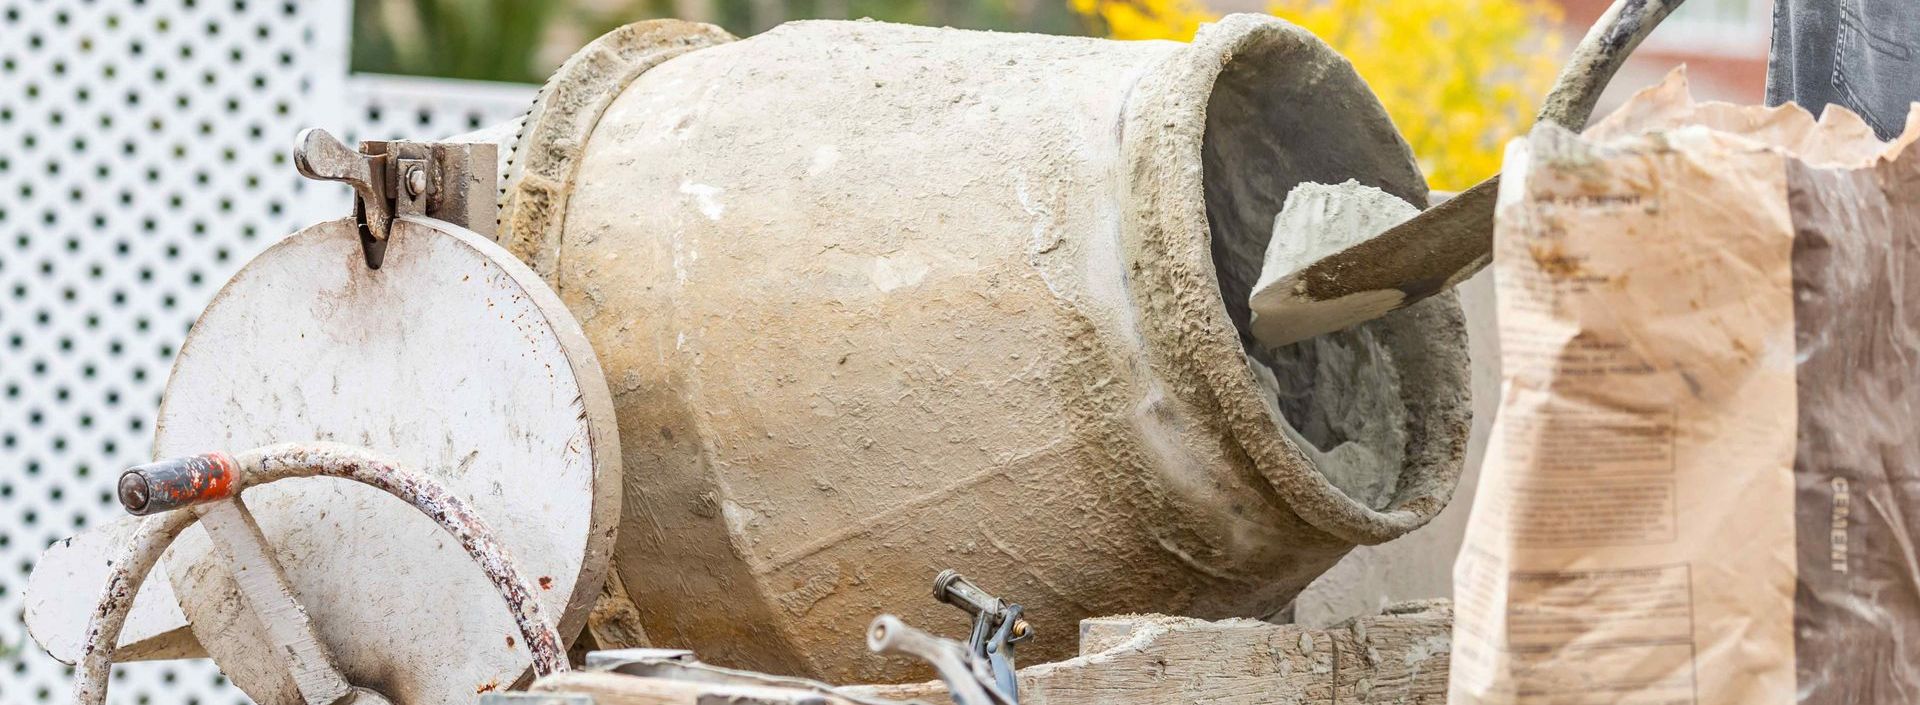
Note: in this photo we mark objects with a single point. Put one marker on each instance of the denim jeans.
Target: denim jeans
(1859, 54)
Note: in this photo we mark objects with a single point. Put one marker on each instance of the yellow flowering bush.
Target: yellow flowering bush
(1145, 19)
(1459, 77)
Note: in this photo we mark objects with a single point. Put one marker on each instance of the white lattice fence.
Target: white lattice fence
(143, 159)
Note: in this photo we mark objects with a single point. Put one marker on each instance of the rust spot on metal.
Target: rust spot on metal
(509, 641)
(177, 482)
(546, 583)
(487, 687)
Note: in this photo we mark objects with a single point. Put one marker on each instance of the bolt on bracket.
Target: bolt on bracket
(452, 181)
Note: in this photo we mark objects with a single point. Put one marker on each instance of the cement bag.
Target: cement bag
(1704, 479)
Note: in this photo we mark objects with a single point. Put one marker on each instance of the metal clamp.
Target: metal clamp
(452, 181)
(981, 672)
(997, 626)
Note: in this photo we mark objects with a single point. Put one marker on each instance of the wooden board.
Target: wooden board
(616, 689)
(1400, 657)
(452, 358)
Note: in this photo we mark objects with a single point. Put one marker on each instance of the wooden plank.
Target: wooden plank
(1399, 656)
(617, 689)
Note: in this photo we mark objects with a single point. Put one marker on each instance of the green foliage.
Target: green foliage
(522, 40)
(495, 40)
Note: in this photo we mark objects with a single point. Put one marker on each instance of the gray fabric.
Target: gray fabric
(1859, 54)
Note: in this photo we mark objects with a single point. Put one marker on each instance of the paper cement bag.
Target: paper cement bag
(1703, 484)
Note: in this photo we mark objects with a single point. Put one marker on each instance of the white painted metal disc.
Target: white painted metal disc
(452, 358)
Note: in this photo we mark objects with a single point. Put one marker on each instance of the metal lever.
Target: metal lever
(997, 626)
(457, 182)
(966, 677)
(317, 154)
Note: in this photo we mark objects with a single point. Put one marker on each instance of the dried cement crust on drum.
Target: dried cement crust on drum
(539, 173)
(877, 300)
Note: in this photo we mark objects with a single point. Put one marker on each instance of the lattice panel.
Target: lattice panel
(143, 159)
(394, 107)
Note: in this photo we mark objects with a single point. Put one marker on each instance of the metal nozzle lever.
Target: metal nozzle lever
(954, 589)
(997, 626)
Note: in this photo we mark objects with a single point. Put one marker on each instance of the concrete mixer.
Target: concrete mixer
(774, 331)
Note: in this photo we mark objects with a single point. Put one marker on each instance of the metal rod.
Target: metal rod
(263, 584)
(955, 589)
(173, 483)
(116, 600)
(452, 513)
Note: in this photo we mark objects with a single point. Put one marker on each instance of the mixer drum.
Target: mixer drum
(878, 300)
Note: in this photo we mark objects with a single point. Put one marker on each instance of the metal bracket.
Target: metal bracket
(457, 182)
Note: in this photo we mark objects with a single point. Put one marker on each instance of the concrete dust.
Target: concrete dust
(1337, 397)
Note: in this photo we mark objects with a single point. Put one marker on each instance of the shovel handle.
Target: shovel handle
(1598, 57)
(1445, 244)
